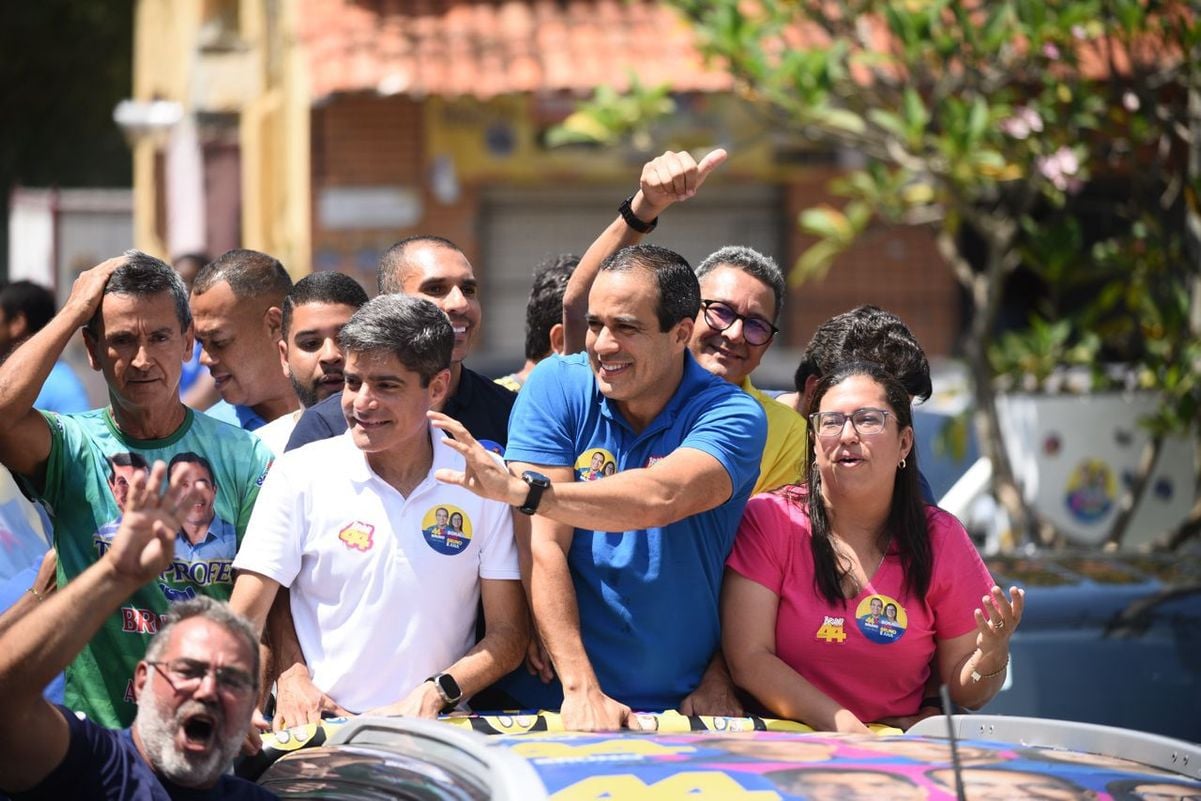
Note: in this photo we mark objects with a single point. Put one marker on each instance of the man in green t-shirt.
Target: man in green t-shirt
(138, 332)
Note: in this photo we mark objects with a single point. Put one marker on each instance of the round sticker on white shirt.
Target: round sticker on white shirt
(881, 619)
(447, 529)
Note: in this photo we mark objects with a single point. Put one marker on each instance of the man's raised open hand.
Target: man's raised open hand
(145, 543)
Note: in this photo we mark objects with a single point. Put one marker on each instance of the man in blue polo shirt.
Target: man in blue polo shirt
(626, 569)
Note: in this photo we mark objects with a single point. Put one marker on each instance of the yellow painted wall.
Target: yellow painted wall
(163, 29)
(467, 129)
(262, 77)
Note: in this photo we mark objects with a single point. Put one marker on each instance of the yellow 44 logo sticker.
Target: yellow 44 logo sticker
(681, 787)
(358, 536)
(831, 630)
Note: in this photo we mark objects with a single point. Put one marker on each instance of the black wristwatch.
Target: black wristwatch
(448, 688)
(632, 220)
(537, 483)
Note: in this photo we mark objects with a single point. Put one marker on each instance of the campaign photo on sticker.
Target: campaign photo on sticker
(595, 463)
(447, 529)
(881, 619)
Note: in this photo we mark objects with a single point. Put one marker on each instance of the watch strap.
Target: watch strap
(537, 484)
(632, 220)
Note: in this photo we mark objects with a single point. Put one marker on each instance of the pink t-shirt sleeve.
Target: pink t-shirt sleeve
(959, 578)
(760, 547)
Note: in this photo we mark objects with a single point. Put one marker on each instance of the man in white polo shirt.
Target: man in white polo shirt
(385, 603)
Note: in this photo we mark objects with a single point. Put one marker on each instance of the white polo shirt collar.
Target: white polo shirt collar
(360, 472)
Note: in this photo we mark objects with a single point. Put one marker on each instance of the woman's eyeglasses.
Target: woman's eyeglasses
(866, 422)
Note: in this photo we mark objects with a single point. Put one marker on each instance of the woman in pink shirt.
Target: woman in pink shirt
(840, 594)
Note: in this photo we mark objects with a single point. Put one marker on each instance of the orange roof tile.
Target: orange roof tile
(491, 47)
(485, 48)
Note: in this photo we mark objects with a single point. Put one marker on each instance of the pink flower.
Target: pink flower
(1024, 121)
(1060, 169)
(1051, 51)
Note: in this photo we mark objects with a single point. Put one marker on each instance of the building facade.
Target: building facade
(324, 130)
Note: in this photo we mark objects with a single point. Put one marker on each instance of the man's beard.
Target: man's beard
(307, 393)
(157, 728)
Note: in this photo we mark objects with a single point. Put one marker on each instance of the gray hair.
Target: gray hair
(751, 262)
(141, 276)
(412, 328)
(211, 609)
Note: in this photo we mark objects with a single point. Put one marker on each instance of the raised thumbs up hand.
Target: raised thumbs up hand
(673, 177)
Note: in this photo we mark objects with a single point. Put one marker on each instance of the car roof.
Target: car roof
(715, 764)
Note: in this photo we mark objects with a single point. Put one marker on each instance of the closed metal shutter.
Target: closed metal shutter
(521, 227)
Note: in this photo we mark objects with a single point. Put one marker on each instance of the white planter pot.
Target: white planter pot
(1074, 457)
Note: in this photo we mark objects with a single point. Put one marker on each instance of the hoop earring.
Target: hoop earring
(902, 465)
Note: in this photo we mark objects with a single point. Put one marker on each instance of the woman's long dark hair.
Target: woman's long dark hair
(906, 524)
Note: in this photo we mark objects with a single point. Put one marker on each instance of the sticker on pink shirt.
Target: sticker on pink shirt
(831, 630)
(881, 619)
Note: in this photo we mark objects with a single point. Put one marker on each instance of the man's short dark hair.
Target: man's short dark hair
(754, 264)
(249, 274)
(124, 459)
(870, 334)
(322, 287)
(26, 299)
(679, 292)
(388, 275)
(545, 306)
(143, 276)
(412, 328)
(190, 457)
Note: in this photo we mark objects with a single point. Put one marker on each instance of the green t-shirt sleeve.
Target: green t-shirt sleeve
(52, 484)
(260, 464)
(65, 449)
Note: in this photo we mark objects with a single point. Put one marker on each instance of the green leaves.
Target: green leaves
(1031, 356)
(611, 117)
(836, 231)
(1131, 14)
(828, 223)
(986, 120)
(916, 116)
